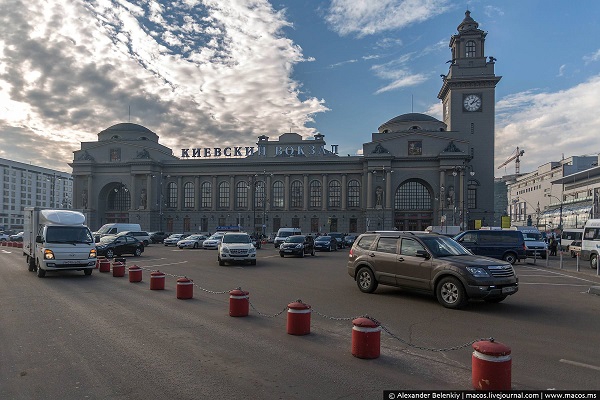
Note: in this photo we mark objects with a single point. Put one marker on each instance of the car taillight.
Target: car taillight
(351, 253)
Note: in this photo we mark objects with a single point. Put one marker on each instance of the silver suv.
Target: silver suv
(432, 263)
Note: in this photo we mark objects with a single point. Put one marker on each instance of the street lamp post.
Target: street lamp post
(460, 169)
(560, 218)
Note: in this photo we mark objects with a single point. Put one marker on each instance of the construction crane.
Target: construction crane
(516, 156)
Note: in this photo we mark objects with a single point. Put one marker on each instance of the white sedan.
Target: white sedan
(191, 242)
(213, 242)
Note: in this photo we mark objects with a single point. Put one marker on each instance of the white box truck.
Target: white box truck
(57, 240)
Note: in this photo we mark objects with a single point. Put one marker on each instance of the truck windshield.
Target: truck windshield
(68, 234)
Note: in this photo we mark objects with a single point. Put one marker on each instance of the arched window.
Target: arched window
(242, 195)
(335, 194)
(206, 193)
(278, 194)
(353, 193)
(470, 49)
(172, 195)
(224, 194)
(259, 195)
(472, 193)
(412, 195)
(119, 199)
(316, 194)
(297, 197)
(188, 195)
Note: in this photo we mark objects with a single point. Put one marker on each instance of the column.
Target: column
(325, 192)
(148, 191)
(197, 193)
(215, 193)
(179, 193)
(268, 188)
(306, 193)
(344, 192)
(369, 189)
(251, 191)
(91, 197)
(388, 190)
(286, 193)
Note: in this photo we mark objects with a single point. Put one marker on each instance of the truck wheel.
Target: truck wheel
(88, 271)
(41, 272)
(450, 293)
(30, 264)
(594, 261)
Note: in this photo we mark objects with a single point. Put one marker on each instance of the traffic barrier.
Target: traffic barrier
(20, 245)
(3, 243)
(98, 259)
(298, 318)
(185, 288)
(491, 366)
(118, 269)
(104, 265)
(239, 305)
(10, 244)
(135, 274)
(366, 338)
(157, 280)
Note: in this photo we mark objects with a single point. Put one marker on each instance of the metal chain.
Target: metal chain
(335, 318)
(267, 315)
(196, 285)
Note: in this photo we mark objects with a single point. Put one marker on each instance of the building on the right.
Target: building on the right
(557, 195)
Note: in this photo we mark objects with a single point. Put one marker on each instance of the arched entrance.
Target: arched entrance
(413, 206)
(114, 203)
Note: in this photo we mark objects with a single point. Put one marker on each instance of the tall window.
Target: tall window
(242, 195)
(259, 195)
(187, 224)
(224, 194)
(353, 193)
(206, 193)
(412, 195)
(278, 194)
(470, 48)
(188, 195)
(172, 195)
(314, 224)
(297, 195)
(316, 194)
(335, 194)
(471, 197)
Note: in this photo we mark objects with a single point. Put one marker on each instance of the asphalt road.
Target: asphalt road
(69, 336)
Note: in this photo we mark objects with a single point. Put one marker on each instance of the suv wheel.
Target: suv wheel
(366, 280)
(510, 257)
(450, 293)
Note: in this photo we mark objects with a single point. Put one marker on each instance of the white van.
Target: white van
(535, 245)
(284, 233)
(590, 242)
(114, 228)
(568, 236)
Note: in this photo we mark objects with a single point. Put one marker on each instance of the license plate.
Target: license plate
(287, 251)
(509, 289)
(71, 262)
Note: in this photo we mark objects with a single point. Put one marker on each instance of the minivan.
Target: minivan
(590, 242)
(536, 246)
(507, 245)
(568, 236)
(284, 233)
(429, 262)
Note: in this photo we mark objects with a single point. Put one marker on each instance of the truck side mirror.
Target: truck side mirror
(38, 239)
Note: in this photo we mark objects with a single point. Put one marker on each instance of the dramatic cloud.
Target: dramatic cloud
(192, 71)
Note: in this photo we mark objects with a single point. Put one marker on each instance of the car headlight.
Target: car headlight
(224, 250)
(48, 254)
(252, 250)
(298, 246)
(92, 253)
(478, 272)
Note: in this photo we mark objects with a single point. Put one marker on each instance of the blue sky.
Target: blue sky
(216, 72)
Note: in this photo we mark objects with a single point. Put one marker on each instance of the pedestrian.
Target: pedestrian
(553, 245)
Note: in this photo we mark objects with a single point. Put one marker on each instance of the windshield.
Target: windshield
(295, 239)
(285, 234)
(68, 234)
(323, 239)
(194, 237)
(236, 239)
(442, 246)
(107, 239)
(533, 237)
(175, 236)
(216, 237)
(104, 229)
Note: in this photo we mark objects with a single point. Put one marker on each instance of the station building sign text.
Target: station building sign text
(306, 150)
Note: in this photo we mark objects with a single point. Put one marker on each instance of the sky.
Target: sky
(204, 73)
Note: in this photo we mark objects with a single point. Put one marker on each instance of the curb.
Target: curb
(594, 290)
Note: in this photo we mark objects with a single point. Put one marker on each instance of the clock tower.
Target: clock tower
(468, 99)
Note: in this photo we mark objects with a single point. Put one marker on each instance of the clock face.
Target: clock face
(472, 102)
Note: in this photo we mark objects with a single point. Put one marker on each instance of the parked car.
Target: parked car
(114, 246)
(507, 245)
(142, 236)
(349, 240)
(158, 237)
(173, 239)
(4, 237)
(16, 238)
(432, 263)
(326, 243)
(236, 247)
(339, 238)
(297, 245)
(213, 242)
(271, 237)
(191, 242)
(575, 248)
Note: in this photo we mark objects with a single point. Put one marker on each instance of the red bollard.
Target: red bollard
(10, 244)
(491, 366)
(239, 305)
(157, 280)
(366, 338)
(118, 269)
(185, 288)
(104, 265)
(20, 245)
(298, 319)
(135, 274)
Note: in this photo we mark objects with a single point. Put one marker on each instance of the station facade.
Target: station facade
(415, 171)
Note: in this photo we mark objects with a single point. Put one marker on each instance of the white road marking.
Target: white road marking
(561, 274)
(578, 364)
(6, 252)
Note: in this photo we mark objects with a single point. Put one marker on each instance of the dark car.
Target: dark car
(432, 263)
(339, 237)
(326, 243)
(297, 245)
(158, 237)
(507, 245)
(349, 240)
(114, 246)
